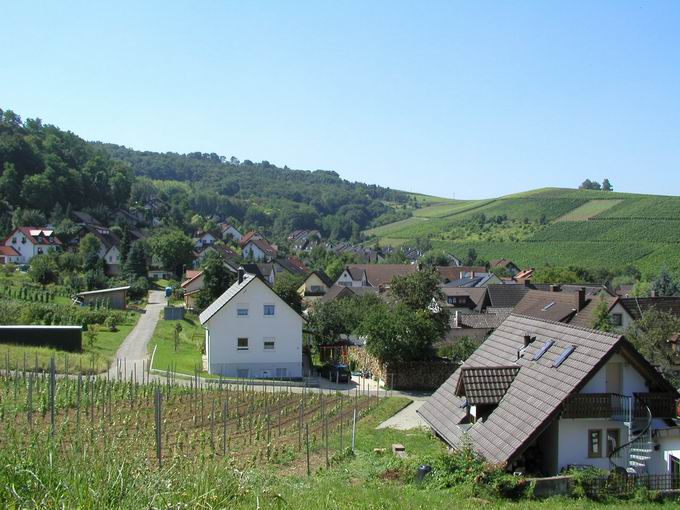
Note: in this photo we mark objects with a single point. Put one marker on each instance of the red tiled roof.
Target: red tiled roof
(8, 251)
(32, 233)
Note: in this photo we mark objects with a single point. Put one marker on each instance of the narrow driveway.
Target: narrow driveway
(406, 419)
(133, 351)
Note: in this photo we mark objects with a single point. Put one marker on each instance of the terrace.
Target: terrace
(619, 407)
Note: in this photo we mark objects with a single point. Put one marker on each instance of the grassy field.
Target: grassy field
(187, 358)
(586, 228)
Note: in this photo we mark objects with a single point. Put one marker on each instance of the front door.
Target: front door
(614, 382)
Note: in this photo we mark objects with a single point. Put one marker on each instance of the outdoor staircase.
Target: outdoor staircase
(634, 455)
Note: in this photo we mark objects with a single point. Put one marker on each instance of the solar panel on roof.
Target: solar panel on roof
(543, 350)
(565, 354)
(548, 306)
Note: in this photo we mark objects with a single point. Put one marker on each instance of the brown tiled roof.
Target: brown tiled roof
(452, 273)
(380, 274)
(340, 291)
(485, 385)
(552, 306)
(586, 317)
(637, 306)
(488, 320)
(36, 234)
(9, 251)
(476, 294)
(535, 396)
(502, 263)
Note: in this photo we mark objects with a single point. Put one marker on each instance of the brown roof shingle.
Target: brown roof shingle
(485, 385)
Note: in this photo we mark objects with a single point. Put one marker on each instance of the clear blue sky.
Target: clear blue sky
(477, 99)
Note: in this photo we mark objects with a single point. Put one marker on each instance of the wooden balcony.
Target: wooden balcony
(619, 407)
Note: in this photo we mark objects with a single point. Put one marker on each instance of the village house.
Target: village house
(373, 275)
(506, 265)
(454, 273)
(252, 332)
(540, 396)
(229, 232)
(192, 285)
(203, 239)
(258, 250)
(227, 254)
(304, 240)
(109, 249)
(314, 287)
(29, 242)
(476, 280)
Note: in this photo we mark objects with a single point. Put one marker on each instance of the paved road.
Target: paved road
(406, 419)
(133, 350)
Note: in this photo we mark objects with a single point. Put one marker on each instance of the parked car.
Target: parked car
(336, 372)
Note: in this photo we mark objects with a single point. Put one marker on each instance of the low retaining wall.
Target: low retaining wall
(66, 338)
(552, 486)
(412, 375)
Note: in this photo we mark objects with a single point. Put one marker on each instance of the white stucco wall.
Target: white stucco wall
(225, 327)
(346, 279)
(626, 320)
(251, 250)
(27, 250)
(574, 441)
(633, 382)
(660, 461)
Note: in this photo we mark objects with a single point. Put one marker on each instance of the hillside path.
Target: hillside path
(133, 350)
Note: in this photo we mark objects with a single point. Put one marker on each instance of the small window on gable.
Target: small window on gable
(269, 344)
(242, 344)
(269, 310)
(14, 240)
(617, 319)
(242, 311)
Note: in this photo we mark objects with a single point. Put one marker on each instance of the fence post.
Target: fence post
(309, 472)
(53, 388)
(354, 428)
(224, 428)
(157, 402)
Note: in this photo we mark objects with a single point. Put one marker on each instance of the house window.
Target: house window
(269, 344)
(14, 240)
(242, 344)
(242, 312)
(316, 289)
(269, 310)
(242, 373)
(40, 250)
(617, 319)
(451, 300)
(594, 444)
(613, 437)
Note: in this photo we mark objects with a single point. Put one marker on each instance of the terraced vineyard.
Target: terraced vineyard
(593, 229)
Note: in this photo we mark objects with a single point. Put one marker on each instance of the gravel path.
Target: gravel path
(133, 350)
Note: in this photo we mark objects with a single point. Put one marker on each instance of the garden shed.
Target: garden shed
(116, 297)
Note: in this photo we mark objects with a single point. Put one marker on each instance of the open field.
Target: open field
(561, 227)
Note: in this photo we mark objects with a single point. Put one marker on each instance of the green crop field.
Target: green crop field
(589, 210)
(560, 227)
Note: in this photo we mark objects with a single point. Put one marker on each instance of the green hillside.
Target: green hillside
(560, 227)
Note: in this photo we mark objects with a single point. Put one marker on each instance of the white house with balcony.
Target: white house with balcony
(250, 332)
(541, 397)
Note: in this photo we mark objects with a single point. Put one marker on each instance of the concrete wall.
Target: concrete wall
(661, 458)
(284, 328)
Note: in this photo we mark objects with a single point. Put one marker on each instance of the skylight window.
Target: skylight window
(565, 354)
(548, 306)
(543, 350)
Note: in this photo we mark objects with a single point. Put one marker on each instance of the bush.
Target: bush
(111, 323)
(139, 289)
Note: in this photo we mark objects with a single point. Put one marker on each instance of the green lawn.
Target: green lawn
(187, 358)
(93, 358)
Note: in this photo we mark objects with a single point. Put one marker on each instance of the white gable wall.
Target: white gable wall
(225, 327)
(250, 250)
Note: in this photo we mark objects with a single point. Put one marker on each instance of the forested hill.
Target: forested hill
(261, 194)
(45, 171)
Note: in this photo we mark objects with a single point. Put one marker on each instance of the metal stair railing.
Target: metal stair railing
(634, 451)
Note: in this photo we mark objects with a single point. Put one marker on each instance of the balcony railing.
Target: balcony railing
(618, 407)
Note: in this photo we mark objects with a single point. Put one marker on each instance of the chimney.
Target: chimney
(555, 288)
(241, 273)
(527, 340)
(456, 319)
(527, 282)
(581, 298)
